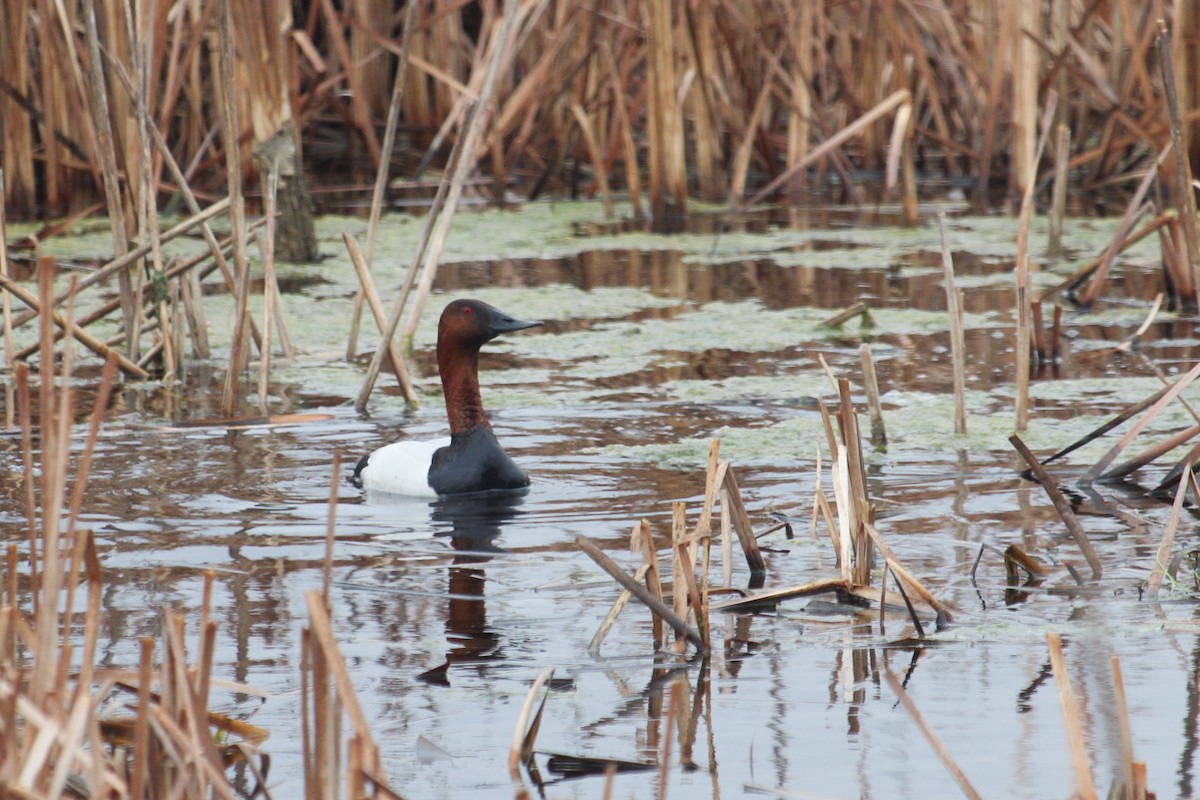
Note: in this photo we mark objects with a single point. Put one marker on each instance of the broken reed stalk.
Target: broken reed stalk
(832, 143)
(525, 732)
(1182, 191)
(912, 611)
(726, 540)
(847, 314)
(679, 569)
(1100, 466)
(944, 755)
(903, 576)
(958, 340)
(1073, 717)
(1058, 201)
(385, 162)
(367, 289)
(83, 337)
(874, 404)
(1078, 276)
(714, 479)
(1133, 212)
(741, 524)
(678, 624)
(1061, 505)
(618, 606)
(1162, 557)
(641, 540)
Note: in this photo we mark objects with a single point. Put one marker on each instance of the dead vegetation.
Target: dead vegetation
(71, 729)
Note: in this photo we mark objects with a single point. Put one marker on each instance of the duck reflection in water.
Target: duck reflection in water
(473, 522)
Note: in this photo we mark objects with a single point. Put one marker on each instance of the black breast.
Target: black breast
(474, 462)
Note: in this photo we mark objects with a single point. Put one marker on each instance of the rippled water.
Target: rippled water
(652, 347)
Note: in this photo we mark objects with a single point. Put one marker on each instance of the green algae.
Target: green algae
(615, 332)
(920, 425)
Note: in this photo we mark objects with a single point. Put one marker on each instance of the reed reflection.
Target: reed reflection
(473, 523)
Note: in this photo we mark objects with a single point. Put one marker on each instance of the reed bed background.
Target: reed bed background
(726, 100)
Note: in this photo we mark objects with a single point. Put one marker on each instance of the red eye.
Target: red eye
(467, 310)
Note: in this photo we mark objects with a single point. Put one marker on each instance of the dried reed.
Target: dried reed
(1060, 505)
(1073, 717)
(958, 341)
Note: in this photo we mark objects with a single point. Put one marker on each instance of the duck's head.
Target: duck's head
(471, 323)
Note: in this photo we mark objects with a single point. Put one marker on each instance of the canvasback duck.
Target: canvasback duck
(470, 459)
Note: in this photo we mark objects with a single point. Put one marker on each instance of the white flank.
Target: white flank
(402, 468)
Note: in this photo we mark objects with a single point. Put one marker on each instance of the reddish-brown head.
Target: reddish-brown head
(464, 327)
(468, 324)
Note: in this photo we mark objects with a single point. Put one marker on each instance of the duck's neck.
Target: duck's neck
(460, 386)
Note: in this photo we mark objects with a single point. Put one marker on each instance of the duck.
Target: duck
(470, 459)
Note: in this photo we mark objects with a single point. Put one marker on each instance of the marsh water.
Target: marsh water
(653, 346)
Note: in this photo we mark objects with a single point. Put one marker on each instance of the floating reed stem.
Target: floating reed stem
(741, 524)
(838, 319)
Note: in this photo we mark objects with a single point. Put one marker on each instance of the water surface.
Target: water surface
(653, 346)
